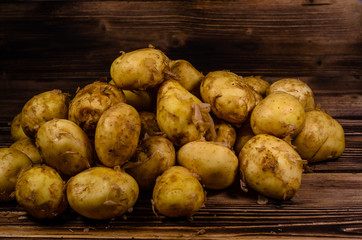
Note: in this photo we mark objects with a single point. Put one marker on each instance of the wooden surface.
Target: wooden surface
(64, 44)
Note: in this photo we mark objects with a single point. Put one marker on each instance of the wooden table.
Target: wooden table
(63, 44)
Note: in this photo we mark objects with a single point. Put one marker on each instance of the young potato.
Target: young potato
(279, 114)
(225, 133)
(181, 115)
(140, 69)
(90, 102)
(102, 193)
(271, 167)
(257, 84)
(244, 133)
(322, 137)
(64, 146)
(230, 98)
(16, 131)
(154, 155)
(42, 108)
(149, 125)
(216, 165)
(12, 163)
(117, 134)
(178, 193)
(189, 77)
(28, 147)
(141, 100)
(297, 88)
(40, 191)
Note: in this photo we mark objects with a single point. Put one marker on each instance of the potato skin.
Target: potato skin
(102, 193)
(12, 163)
(40, 191)
(243, 134)
(149, 125)
(225, 133)
(117, 134)
(271, 167)
(216, 165)
(28, 147)
(178, 193)
(139, 69)
(279, 114)
(230, 98)
(188, 76)
(257, 84)
(42, 108)
(16, 131)
(64, 146)
(322, 137)
(90, 102)
(141, 100)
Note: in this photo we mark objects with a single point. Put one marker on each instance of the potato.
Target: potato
(139, 99)
(279, 114)
(16, 131)
(102, 193)
(271, 167)
(42, 108)
(154, 155)
(178, 193)
(64, 146)
(90, 102)
(28, 147)
(41, 192)
(230, 98)
(257, 84)
(181, 115)
(297, 88)
(216, 165)
(12, 163)
(225, 133)
(187, 75)
(244, 133)
(140, 69)
(117, 134)
(149, 125)
(322, 137)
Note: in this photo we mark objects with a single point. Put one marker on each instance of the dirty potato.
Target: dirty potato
(117, 134)
(28, 147)
(41, 192)
(139, 69)
(243, 134)
(41, 108)
(16, 131)
(102, 193)
(225, 133)
(279, 114)
(186, 74)
(322, 137)
(149, 125)
(141, 100)
(64, 146)
(271, 167)
(216, 165)
(230, 97)
(257, 84)
(12, 163)
(90, 102)
(154, 155)
(178, 193)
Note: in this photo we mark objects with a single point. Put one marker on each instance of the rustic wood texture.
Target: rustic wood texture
(66, 44)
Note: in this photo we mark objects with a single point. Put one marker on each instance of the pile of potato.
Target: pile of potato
(160, 125)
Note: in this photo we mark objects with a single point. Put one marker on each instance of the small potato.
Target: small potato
(12, 163)
(42, 108)
(28, 147)
(225, 133)
(149, 125)
(154, 155)
(187, 75)
(41, 192)
(178, 193)
(16, 131)
(322, 137)
(64, 146)
(244, 133)
(117, 134)
(297, 88)
(279, 114)
(271, 167)
(181, 115)
(90, 102)
(140, 69)
(102, 193)
(216, 165)
(257, 84)
(230, 98)
(141, 100)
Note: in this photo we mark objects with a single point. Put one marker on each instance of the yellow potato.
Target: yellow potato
(178, 193)
(140, 69)
(140, 99)
(271, 167)
(244, 133)
(149, 125)
(102, 193)
(230, 97)
(28, 147)
(117, 133)
(225, 133)
(16, 131)
(279, 114)
(216, 165)
(257, 84)
(189, 77)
